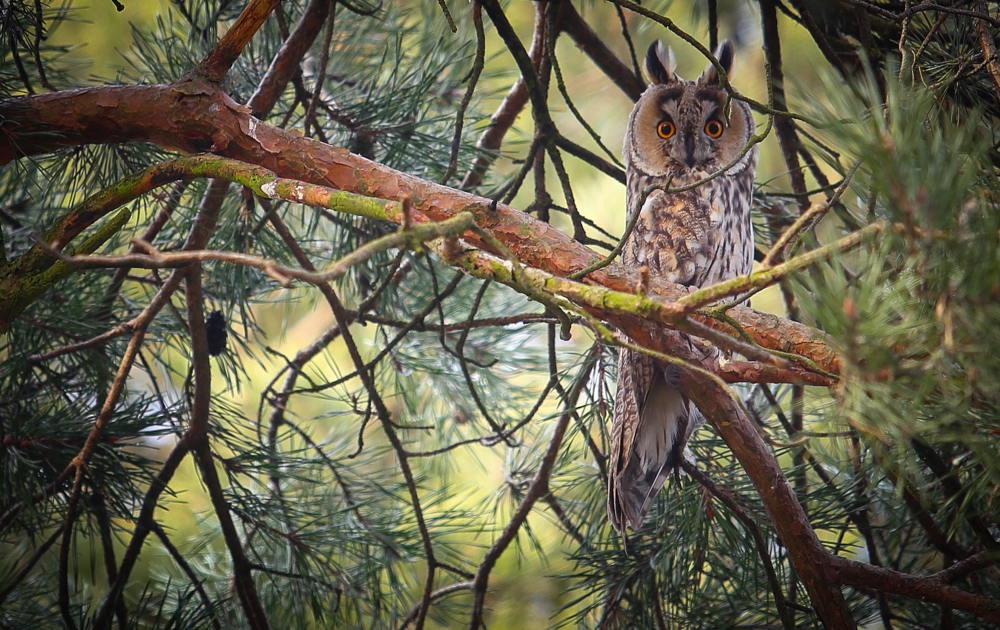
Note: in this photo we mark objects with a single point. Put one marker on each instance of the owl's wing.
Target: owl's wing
(647, 430)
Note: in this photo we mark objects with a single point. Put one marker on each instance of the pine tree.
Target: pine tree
(280, 303)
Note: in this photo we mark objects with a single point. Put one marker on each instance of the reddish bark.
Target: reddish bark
(926, 589)
(286, 63)
(222, 57)
(191, 117)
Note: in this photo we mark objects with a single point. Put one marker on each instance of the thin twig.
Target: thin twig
(30, 563)
(627, 80)
(576, 113)
(324, 59)
(155, 259)
(441, 593)
(202, 228)
(784, 127)
(538, 489)
(810, 216)
(223, 55)
(693, 41)
(766, 277)
(246, 590)
(189, 572)
(503, 118)
(922, 7)
(285, 63)
(989, 47)
(477, 69)
(633, 213)
(341, 316)
(628, 41)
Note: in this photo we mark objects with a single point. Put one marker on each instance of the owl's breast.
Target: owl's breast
(695, 237)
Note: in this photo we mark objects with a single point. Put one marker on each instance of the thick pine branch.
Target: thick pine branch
(194, 119)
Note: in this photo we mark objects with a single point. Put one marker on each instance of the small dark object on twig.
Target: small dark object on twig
(215, 330)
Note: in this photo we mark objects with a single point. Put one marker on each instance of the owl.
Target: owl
(679, 132)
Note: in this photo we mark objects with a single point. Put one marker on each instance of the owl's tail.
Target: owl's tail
(655, 451)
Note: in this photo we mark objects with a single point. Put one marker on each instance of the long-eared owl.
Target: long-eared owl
(679, 132)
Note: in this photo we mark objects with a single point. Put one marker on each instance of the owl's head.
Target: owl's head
(680, 127)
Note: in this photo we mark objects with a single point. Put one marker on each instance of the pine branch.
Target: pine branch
(603, 57)
(921, 8)
(503, 118)
(919, 330)
(928, 589)
(532, 242)
(30, 563)
(768, 277)
(201, 229)
(178, 557)
(285, 64)
(218, 62)
(787, 620)
(283, 274)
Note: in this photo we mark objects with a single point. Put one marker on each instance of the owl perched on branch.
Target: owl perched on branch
(679, 132)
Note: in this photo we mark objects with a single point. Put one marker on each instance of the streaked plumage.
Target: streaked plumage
(697, 238)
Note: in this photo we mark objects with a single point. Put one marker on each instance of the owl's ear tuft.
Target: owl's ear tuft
(660, 63)
(726, 54)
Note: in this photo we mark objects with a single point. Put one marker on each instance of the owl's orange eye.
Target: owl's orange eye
(713, 128)
(665, 129)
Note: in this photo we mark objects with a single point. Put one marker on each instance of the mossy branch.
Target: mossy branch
(599, 300)
(30, 286)
(411, 237)
(23, 280)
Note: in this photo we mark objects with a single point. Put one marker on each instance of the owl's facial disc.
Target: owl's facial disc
(681, 128)
(696, 126)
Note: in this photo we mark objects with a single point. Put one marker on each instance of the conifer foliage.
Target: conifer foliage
(177, 452)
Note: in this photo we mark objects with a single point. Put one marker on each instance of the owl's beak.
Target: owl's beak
(689, 149)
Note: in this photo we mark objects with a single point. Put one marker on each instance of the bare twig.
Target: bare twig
(989, 47)
(30, 563)
(221, 58)
(928, 589)
(921, 8)
(341, 315)
(503, 119)
(784, 127)
(155, 259)
(108, 548)
(201, 230)
(961, 569)
(477, 69)
(702, 297)
(243, 577)
(320, 77)
(285, 64)
(603, 57)
(145, 523)
(441, 593)
(810, 216)
(189, 572)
